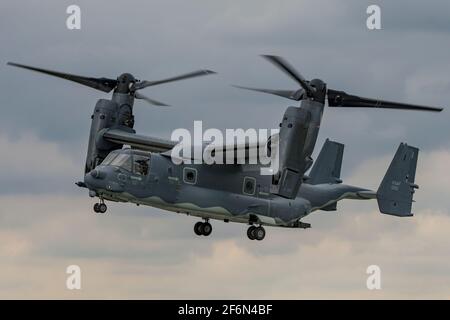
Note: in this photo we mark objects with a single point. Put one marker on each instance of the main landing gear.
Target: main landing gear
(256, 233)
(100, 207)
(203, 228)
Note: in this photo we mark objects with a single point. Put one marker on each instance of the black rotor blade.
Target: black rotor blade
(290, 70)
(342, 99)
(102, 84)
(138, 95)
(199, 73)
(295, 95)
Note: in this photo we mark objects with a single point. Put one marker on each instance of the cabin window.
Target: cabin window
(249, 186)
(190, 175)
(141, 164)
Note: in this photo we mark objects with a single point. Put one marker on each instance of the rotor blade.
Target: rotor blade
(103, 84)
(295, 95)
(199, 73)
(342, 99)
(138, 95)
(290, 70)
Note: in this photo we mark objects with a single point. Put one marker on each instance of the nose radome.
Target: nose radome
(98, 181)
(98, 174)
(90, 181)
(95, 179)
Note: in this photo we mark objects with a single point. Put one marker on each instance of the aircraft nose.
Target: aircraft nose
(95, 179)
(104, 179)
(97, 174)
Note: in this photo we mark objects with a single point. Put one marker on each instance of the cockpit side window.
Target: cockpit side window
(141, 164)
(122, 160)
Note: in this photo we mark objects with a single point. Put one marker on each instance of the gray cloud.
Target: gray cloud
(137, 256)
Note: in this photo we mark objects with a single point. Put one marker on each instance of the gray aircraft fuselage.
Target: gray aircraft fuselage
(237, 193)
(210, 191)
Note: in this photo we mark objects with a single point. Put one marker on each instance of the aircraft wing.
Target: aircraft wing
(138, 141)
(240, 153)
(153, 144)
(244, 151)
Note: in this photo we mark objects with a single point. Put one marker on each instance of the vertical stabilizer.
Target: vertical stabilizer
(395, 194)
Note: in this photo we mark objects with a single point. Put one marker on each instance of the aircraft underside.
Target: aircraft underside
(218, 212)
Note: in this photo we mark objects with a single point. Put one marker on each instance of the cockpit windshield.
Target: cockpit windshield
(122, 160)
(136, 163)
(110, 157)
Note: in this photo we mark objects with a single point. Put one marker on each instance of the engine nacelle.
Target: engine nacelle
(105, 116)
(297, 138)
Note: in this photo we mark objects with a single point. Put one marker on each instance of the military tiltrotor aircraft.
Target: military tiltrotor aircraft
(143, 171)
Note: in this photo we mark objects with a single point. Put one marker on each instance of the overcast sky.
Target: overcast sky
(46, 222)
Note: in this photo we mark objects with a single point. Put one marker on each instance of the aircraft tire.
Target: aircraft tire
(96, 209)
(102, 208)
(206, 229)
(198, 228)
(251, 233)
(259, 233)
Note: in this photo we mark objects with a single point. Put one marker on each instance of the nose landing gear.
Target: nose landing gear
(256, 233)
(203, 228)
(100, 207)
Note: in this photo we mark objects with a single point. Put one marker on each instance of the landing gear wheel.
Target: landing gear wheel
(259, 233)
(250, 232)
(207, 229)
(96, 208)
(102, 207)
(198, 228)
(203, 228)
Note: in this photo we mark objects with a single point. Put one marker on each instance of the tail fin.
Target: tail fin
(395, 194)
(327, 168)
